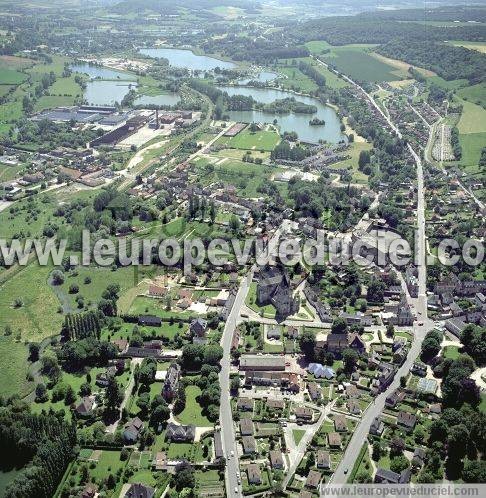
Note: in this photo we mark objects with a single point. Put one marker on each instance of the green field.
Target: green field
(293, 79)
(265, 140)
(473, 119)
(8, 173)
(245, 176)
(38, 316)
(354, 61)
(332, 79)
(472, 135)
(352, 162)
(451, 352)
(475, 94)
(448, 85)
(192, 411)
(13, 356)
(100, 277)
(6, 478)
(298, 435)
(11, 77)
(472, 144)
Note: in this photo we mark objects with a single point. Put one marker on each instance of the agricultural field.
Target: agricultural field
(474, 93)
(472, 135)
(471, 45)
(357, 62)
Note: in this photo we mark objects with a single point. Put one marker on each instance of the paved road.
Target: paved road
(226, 417)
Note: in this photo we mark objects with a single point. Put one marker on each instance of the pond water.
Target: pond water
(263, 77)
(101, 92)
(331, 131)
(163, 99)
(101, 72)
(178, 57)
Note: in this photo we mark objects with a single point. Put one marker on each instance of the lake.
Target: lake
(178, 57)
(101, 92)
(331, 131)
(162, 99)
(103, 73)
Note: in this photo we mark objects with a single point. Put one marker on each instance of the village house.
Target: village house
(340, 423)
(334, 440)
(198, 327)
(275, 405)
(255, 362)
(304, 414)
(246, 427)
(137, 490)
(249, 445)
(377, 427)
(180, 433)
(323, 460)
(218, 446)
(149, 321)
(395, 398)
(284, 380)
(245, 404)
(254, 474)
(418, 458)
(314, 391)
(353, 407)
(86, 407)
(406, 421)
(160, 461)
(386, 476)
(313, 479)
(157, 291)
(276, 460)
(321, 371)
(171, 382)
(132, 430)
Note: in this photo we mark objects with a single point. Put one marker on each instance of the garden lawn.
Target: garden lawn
(451, 352)
(109, 463)
(192, 411)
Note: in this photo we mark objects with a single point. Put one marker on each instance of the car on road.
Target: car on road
(236, 490)
(420, 323)
(346, 471)
(232, 453)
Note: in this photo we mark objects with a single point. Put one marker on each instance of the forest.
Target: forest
(40, 445)
(449, 62)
